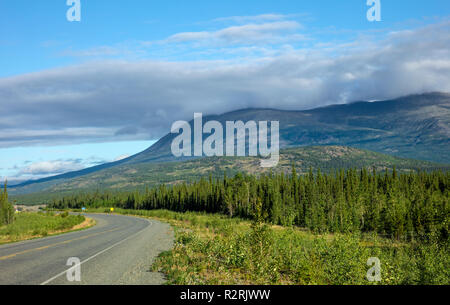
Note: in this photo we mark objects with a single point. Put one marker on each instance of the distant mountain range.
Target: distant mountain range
(414, 127)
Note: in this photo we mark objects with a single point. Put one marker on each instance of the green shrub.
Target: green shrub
(235, 252)
(6, 209)
(38, 224)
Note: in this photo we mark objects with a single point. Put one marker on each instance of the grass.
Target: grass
(215, 249)
(34, 225)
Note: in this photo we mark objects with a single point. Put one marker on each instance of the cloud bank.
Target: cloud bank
(119, 100)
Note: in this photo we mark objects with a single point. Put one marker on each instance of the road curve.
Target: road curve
(118, 250)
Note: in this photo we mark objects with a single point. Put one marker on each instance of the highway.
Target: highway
(118, 250)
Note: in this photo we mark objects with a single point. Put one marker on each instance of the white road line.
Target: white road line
(95, 255)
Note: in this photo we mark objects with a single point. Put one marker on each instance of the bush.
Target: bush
(37, 224)
(228, 251)
(6, 209)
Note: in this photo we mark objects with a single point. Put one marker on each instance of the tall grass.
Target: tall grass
(210, 250)
(216, 249)
(29, 225)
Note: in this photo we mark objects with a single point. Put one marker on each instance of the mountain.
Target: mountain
(415, 127)
(141, 175)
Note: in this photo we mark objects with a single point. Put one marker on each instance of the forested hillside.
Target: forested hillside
(139, 176)
(392, 204)
(415, 127)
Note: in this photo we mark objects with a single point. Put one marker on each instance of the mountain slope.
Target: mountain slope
(132, 176)
(416, 127)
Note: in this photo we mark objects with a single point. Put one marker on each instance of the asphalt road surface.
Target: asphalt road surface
(118, 250)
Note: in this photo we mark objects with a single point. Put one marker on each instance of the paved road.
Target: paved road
(118, 250)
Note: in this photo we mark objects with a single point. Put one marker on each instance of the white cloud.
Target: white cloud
(266, 33)
(46, 168)
(121, 157)
(139, 100)
(257, 18)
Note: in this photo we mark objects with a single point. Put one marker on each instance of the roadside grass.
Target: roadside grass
(34, 225)
(213, 249)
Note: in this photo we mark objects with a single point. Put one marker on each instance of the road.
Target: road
(118, 250)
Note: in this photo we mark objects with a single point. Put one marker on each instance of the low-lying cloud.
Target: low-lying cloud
(46, 168)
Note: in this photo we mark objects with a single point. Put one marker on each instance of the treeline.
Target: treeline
(397, 205)
(6, 209)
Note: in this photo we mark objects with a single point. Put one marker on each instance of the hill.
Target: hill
(415, 127)
(139, 176)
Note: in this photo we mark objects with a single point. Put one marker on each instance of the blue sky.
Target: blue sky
(35, 35)
(63, 85)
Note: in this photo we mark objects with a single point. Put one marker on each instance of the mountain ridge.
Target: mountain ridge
(138, 176)
(414, 126)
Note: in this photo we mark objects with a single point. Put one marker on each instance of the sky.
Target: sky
(77, 94)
